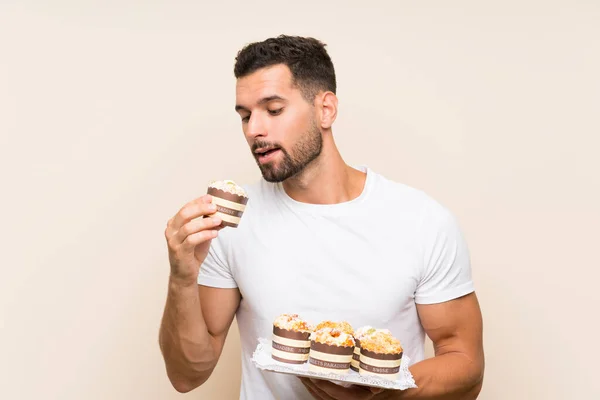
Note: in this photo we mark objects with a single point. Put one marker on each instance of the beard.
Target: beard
(294, 161)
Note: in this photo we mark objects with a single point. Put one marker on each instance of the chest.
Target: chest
(356, 268)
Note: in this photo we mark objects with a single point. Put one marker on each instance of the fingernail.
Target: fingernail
(212, 207)
(217, 220)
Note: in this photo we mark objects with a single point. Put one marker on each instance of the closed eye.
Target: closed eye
(246, 118)
(275, 112)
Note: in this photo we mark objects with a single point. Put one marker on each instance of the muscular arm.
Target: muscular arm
(455, 326)
(195, 324)
(456, 372)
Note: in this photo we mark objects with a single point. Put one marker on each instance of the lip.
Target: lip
(264, 149)
(268, 157)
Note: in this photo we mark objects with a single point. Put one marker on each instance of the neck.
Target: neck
(326, 180)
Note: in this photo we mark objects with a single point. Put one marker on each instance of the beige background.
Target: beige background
(114, 114)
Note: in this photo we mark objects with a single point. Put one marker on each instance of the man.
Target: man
(319, 238)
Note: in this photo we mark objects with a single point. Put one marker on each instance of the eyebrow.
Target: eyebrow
(261, 101)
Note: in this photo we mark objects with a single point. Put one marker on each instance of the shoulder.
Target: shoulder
(392, 190)
(396, 195)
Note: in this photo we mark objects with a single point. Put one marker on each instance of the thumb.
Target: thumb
(207, 199)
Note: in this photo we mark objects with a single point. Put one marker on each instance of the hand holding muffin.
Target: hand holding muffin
(190, 232)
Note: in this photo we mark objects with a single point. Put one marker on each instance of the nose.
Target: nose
(256, 127)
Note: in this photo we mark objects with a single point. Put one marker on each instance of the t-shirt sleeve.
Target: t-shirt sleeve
(446, 272)
(215, 271)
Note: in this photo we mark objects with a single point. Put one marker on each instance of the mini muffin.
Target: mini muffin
(230, 200)
(330, 351)
(291, 339)
(380, 355)
(358, 335)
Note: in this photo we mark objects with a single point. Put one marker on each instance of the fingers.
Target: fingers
(314, 390)
(335, 391)
(330, 390)
(316, 394)
(194, 240)
(194, 209)
(193, 228)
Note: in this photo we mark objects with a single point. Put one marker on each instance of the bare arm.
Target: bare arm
(193, 332)
(196, 318)
(456, 372)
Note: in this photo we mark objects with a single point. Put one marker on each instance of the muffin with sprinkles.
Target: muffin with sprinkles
(380, 355)
(331, 349)
(291, 339)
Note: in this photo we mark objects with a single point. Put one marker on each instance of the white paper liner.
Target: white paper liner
(262, 359)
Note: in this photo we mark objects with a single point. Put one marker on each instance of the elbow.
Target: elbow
(186, 382)
(473, 394)
(184, 374)
(472, 383)
(182, 386)
(477, 382)
(185, 385)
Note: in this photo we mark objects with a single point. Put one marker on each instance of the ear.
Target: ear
(327, 104)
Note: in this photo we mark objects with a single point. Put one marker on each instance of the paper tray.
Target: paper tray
(262, 359)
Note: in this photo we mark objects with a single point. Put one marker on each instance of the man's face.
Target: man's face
(279, 124)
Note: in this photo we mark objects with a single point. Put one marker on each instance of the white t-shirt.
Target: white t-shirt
(367, 261)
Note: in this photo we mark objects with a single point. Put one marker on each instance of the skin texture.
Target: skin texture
(274, 114)
(196, 318)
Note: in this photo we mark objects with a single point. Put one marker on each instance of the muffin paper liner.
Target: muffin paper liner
(262, 360)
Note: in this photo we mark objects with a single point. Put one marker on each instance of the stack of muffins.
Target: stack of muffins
(334, 347)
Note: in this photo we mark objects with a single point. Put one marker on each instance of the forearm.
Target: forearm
(450, 376)
(185, 342)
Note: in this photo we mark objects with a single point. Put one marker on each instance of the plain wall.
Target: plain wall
(114, 114)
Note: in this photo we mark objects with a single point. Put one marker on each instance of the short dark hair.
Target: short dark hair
(306, 57)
